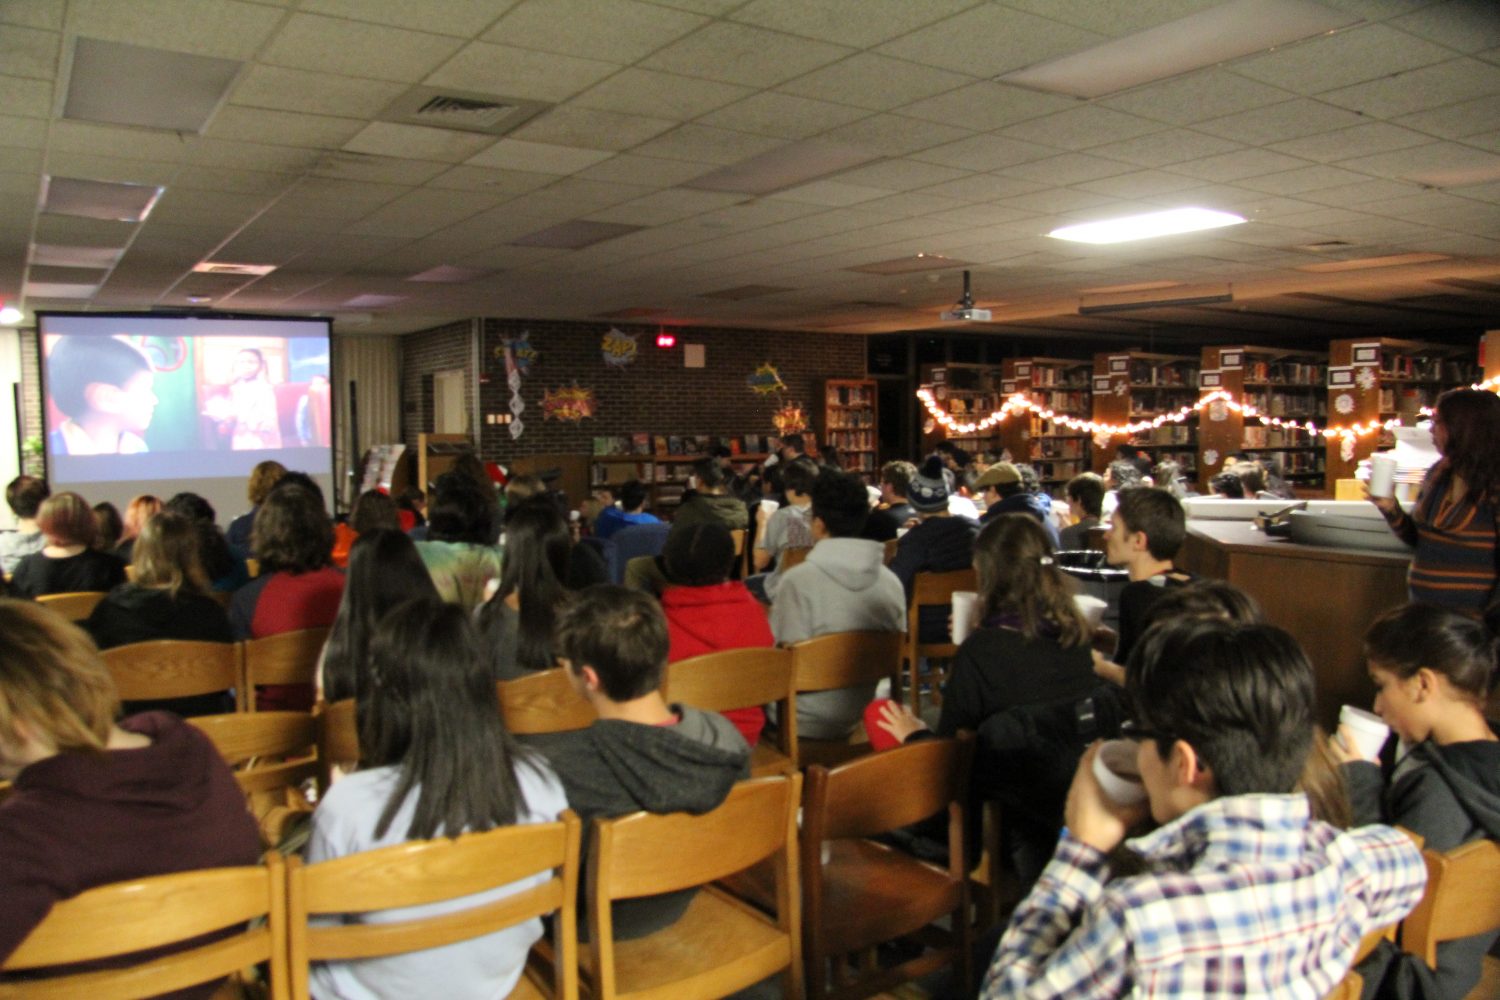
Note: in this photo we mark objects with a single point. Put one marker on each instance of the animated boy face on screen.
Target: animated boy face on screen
(105, 387)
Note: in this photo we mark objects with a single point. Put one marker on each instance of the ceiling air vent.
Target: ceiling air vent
(466, 111)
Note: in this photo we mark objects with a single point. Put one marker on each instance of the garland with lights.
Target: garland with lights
(1020, 403)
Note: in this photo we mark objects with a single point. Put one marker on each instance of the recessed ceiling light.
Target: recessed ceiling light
(73, 256)
(1148, 226)
(1227, 31)
(108, 200)
(151, 88)
(225, 267)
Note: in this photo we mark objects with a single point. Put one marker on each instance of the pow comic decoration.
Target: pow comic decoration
(570, 404)
(766, 380)
(521, 350)
(619, 348)
(790, 419)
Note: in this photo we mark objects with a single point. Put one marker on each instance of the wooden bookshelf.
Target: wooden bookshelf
(1137, 385)
(1057, 453)
(969, 393)
(665, 476)
(1278, 383)
(851, 424)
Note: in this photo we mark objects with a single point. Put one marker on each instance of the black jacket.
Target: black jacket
(131, 614)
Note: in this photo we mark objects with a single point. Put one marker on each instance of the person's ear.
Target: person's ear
(1139, 542)
(101, 397)
(1423, 684)
(1189, 770)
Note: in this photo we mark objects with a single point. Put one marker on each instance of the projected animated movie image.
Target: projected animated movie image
(130, 395)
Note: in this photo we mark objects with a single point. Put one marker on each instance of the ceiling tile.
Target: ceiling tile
(28, 52)
(901, 175)
(986, 105)
(984, 187)
(543, 158)
(463, 18)
(894, 135)
(620, 31)
(377, 169)
(1113, 19)
(984, 152)
(1439, 164)
(27, 160)
(1069, 168)
(662, 207)
(61, 163)
(334, 198)
(989, 40)
(832, 194)
(700, 144)
(1340, 144)
(109, 140)
(20, 96)
(418, 142)
(874, 82)
(251, 156)
(666, 95)
(25, 133)
(183, 207)
(1420, 90)
(737, 53)
(591, 128)
(282, 128)
(860, 23)
(1326, 62)
(467, 178)
(1362, 193)
(422, 212)
(628, 168)
(1462, 25)
(1233, 166)
(352, 48)
(286, 89)
(1059, 200)
(19, 183)
(227, 29)
(1196, 97)
(512, 72)
(1162, 148)
(47, 14)
(1140, 184)
(1287, 120)
(74, 230)
(1301, 180)
(1456, 121)
(785, 116)
(1081, 128)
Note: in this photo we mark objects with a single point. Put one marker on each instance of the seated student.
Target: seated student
(940, 542)
(630, 510)
(264, 476)
(373, 510)
(108, 527)
(459, 550)
(1085, 494)
(1004, 491)
(168, 599)
(891, 512)
(843, 586)
(706, 611)
(710, 501)
(1227, 486)
(1145, 534)
(437, 762)
(642, 753)
(789, 527)
(519, 622)
(140, 510)
(1238, 892)
(103, 386)
(95, 801)
(68, 563)
(1120, 475)
(1432, 668)
(24, 495)
(225, 568)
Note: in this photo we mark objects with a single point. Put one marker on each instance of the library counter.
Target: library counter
(1325, 597)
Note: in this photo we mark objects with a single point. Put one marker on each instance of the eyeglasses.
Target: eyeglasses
(1134, 731)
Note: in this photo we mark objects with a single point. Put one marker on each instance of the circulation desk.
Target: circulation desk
(1325, 597)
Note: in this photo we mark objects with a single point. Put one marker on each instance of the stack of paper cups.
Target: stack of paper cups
(964, 604)
(1382, 474)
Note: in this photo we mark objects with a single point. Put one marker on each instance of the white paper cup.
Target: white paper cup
(1369, 732)
(769, 506)
(1382, 474)
(964, 604)
(1116, 771)
(1093, 608)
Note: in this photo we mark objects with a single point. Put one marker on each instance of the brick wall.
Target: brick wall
(656, 394)
(422, 355)
(31, 399)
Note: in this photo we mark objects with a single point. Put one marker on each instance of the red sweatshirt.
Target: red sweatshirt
(710, 619)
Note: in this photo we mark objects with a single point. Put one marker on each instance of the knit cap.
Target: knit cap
(928, 492)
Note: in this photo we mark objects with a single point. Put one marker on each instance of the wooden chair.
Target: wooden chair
(272, 754)
(288, 658)
(721, 944)
(74, 607)
(338, 739)
(431, 871)
(161, 911)
(1462, 899)
(891, 547)
(174, 668)
(545, 702)
(866, 893)
(928, 590)
(741, 678)
(841, 660)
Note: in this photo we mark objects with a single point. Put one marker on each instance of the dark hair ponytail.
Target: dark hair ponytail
(1462, 649)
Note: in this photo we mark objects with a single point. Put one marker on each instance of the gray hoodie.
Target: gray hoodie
(843, 586)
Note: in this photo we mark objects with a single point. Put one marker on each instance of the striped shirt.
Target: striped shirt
(1243, 896)
(1454, 563)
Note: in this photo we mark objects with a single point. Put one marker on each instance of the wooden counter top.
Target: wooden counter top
(1244, 536)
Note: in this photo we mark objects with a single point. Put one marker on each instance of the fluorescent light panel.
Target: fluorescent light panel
(70, 256)
(148, 88)
(1228, 31)
(1148, 226)
(790, 165)
(108, 200)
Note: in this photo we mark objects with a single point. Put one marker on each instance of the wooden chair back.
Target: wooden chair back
(288, 658)
(860, 894)
(174, 668)
(891, 547)
(929, 590)
(1462, 898)
(157, 912)
(741, 678)
(840, 660)
(338, 739)
(272, 755)
(431, 871)
(721, 944)
(544, 702)
(75, 607)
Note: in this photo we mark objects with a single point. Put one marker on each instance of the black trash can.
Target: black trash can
(1096, 578)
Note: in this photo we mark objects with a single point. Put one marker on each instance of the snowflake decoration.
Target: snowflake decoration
(1365, 379)
(1346, 450)
(1211, 458)
(1344, 403)
(1218, 412)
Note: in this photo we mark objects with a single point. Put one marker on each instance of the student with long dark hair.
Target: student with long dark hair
(384, 571)
(437, 762)
(520, 620)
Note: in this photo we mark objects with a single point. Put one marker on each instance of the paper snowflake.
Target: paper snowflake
(1218, 412)
(1344, 403)
(1211, 458)
(1346, 450)
(1365, 379)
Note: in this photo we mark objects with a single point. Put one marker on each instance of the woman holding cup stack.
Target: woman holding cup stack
(1432, 669)
(1453, 525)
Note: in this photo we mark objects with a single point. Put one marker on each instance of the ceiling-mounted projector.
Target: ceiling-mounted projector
(963, 311)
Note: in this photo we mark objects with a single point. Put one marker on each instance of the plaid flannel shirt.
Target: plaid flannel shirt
(1243, 896)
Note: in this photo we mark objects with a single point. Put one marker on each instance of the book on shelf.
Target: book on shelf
(659, 443)
(640, 443)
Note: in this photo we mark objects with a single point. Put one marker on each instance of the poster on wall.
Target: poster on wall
(520, 350)
(570, 404)
(765, 380)
(790, 419)
(619, 348)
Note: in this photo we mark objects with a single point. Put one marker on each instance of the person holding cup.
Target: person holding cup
(1432, 669)
(1452, 528)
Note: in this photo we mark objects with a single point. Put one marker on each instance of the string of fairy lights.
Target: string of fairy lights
(1019, 403)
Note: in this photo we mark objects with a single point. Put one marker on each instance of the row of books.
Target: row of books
(641, 443)
(849, 395)
(1276, 437)
(1287, 372)
(1148, 406)
(1058, 448)
(852, 440)
(1064, 402)
(1148, 373)
(1447, 370)
(1293, 462)
(1166, 434)
(1073, 377)
(846, 419)
(1299, 406)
